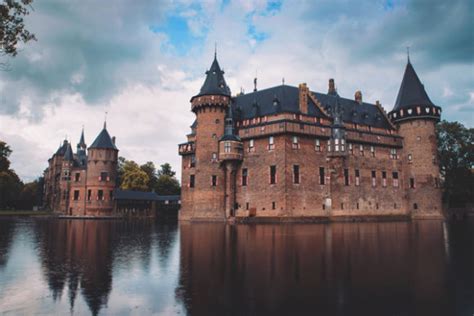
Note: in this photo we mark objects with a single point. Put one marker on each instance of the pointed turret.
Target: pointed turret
(82, 143)
(103, 140)
(412, 100)
(68, 155)
(215, 83)
(229, 131)
(81, 150)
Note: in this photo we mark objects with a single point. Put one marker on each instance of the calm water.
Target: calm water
(120, 268)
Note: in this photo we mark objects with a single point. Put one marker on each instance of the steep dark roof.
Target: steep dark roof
(62, 149)
(68, 155)
(103, 141)
(215, 83)
(412, 91)
(82, 142)
(285, 98)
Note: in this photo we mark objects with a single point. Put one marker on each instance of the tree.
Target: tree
(456, 160)
(165, 169)
(5, 152)
(133, 177)
(150, 170)
(10, 184)
(167, 185)
(12, 26)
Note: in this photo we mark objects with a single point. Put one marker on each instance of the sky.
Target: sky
(141, 62)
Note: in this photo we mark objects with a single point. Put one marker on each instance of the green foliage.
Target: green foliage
(134, 178)
(165, 169)
(5, 152)
(150, 170)
(167, 185)
(10, 188)
(12, 26)
(456, 159)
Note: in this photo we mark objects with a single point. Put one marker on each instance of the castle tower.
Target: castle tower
(81, 150)
(230, 154)
(65, 180)
(210, 107)
(101, 174)
(415, 117)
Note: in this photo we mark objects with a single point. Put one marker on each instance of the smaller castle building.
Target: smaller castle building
(83, 183)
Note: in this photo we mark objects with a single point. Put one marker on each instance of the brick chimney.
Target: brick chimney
(303, 98)
(358, 96)
(331, 88)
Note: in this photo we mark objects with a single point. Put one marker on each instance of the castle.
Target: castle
(290, 153)
(82, 184)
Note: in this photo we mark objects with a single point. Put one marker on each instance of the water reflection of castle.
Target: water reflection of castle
(298, 269)
(80, 256)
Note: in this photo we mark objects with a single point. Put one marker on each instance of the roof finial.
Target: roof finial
(408, 54)
(215, 50)
(105, 120)
(283, 81)
(255, 81)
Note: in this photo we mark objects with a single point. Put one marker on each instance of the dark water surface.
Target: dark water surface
(80, 267)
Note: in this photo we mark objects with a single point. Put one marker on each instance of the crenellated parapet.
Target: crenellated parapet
(215, 102)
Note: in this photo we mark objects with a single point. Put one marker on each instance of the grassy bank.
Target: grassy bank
(24, 213)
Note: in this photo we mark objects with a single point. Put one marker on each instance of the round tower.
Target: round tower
(206, 181)
(415, 117)
(101, 175)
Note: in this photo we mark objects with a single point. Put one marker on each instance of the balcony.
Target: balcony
(187, 148)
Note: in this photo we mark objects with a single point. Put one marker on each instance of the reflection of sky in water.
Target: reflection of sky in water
(141, 268)
(143, 278)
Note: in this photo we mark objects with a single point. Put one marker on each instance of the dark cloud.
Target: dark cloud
(84, 47)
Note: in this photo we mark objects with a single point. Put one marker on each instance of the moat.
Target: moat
(83, 267)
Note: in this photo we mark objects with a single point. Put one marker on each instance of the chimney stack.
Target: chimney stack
(303, 98)
(358, 96)
(331, 88)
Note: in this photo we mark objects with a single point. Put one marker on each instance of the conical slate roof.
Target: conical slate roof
(103, 140)
(215, 83)
(62, 149)
(412, 92)
(82, 142)
(68, 155)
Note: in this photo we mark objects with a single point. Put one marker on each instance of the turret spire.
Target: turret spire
(215, 83)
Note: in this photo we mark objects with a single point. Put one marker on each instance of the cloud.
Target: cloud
(143, 62)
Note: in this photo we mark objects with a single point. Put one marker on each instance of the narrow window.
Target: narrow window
(374, 178)
(412, 183)
(357, 205)
(329, 145)
(273, 174)
(395, 179)
(415, 206)
(104, 176)
(317, 145)
(191, 181)
(273, 205)
(251, 145)
(393, 153)
(296, 174)
(77, 177)
(321, 176)
(410, 157)
(247, 206)
(372, 151)
(89, 195)
(295, 144)
(100, 195)
(76, 195)
(193, 161)
(384, 179)
(214, 156)
(342, 206)
(214, 180)
(346, 176)
(336, 144)
(361, 150)
(227, 147)
(111, 195)
(271, 143)
(357, 177)
(244, 176)
(351, 150)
